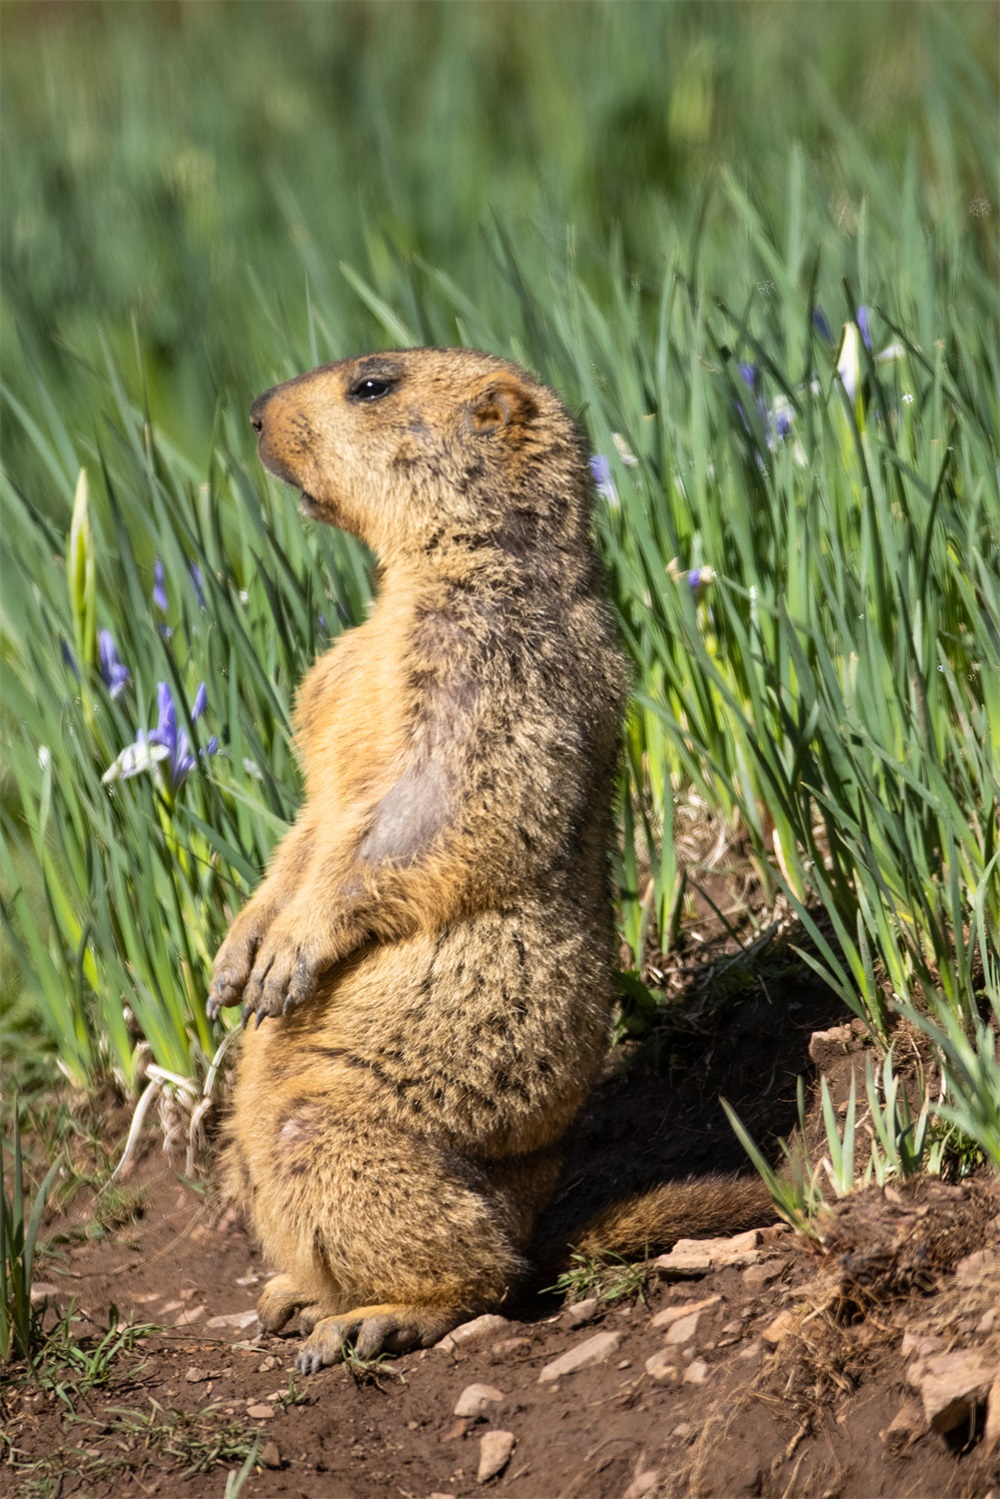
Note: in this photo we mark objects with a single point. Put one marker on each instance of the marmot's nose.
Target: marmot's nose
(257, 411)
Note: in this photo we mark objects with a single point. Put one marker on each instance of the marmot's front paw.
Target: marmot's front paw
(234, 961)
(288, 968)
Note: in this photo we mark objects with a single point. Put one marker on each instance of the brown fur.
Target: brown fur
(434, 937)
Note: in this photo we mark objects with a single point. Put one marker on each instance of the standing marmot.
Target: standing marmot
(434, 937)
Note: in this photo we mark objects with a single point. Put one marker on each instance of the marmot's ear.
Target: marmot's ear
(504, 404)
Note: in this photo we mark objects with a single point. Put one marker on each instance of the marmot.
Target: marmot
(434, 938)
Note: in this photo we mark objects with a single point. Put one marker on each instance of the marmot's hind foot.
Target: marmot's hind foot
(279, 1301)
(374, 1330)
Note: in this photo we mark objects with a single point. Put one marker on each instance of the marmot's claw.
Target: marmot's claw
(308, 1362)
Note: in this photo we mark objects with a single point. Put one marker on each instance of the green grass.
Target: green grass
(622, 197)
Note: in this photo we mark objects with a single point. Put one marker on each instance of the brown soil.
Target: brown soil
(807, 1416)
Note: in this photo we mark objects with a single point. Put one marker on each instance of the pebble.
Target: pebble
(672, 1314)
(270, 1456)
(905, 1423)
(475, 1399)
(269, 1363)
(683, 1329)
(698, 1256)
(579, 1312)
(828, 1046)
(596, 1350)
(696, 1372)
(232, 1319)
(756, 1277)
(470, 1333)
(494, 1454)
(197, 1376)
(661, 1366)
(260, 1412)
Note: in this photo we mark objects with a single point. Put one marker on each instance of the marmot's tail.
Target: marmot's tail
(652, 1221)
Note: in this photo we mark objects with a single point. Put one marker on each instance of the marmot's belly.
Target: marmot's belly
(478, 1036)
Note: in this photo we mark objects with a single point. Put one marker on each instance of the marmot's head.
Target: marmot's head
(420, 451)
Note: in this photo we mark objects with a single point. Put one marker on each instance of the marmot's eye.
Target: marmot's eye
(370, 389)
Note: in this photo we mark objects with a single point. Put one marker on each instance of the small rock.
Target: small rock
(510, 1345)
(579, 1312)
(661, 1366)
(991, 1436)
(682, 1429)
(698, 1256)
(642, 1484)
(952, 1385)
(696, 1372)
(683, 1330)
(494, 1454)
(756, 1277)
(827, 1046)
(197, 1376)
(269, 1455)
(988, 1320)
(905, 1424)
(468, 1334)
(269, 1363)
(238, 1320)
(672, 1314)
(783, 1324)
(475, 1398)
(973, 1268)
(774, 1232)
(596, 1350)
(260, 1412)
(247, 1280)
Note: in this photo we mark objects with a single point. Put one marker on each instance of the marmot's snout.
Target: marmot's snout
(262, 421)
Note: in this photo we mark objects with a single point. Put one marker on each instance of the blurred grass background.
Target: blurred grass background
(193, 174)
(636, 200)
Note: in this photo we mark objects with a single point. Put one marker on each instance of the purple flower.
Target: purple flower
(196, 582)
(178, 761)
(114, 671)
(167, 746)
(600, 470)
(159, 589)
(862, 322)
(750, 375)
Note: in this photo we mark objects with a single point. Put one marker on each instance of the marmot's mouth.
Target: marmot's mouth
(307, 504)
